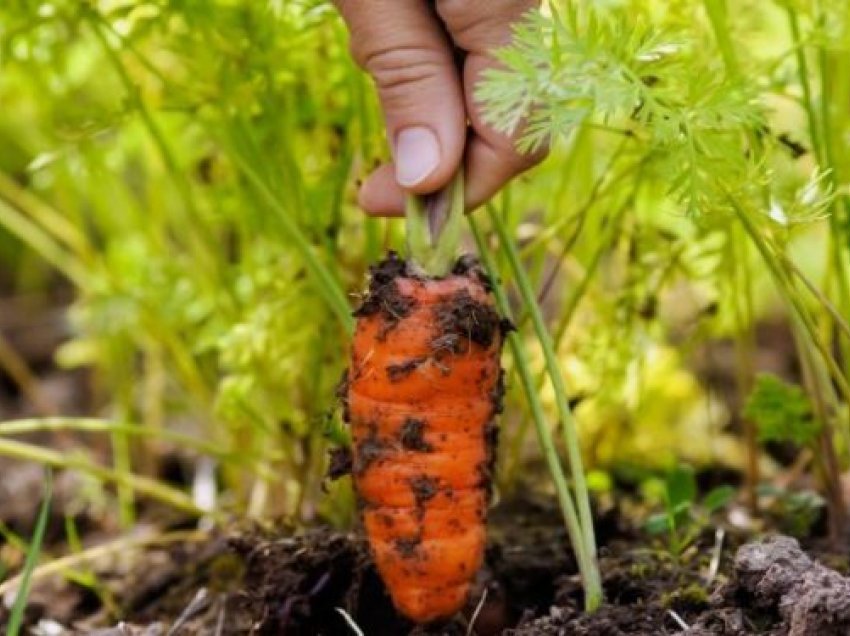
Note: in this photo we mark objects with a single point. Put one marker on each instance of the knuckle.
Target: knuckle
(474, 24)
(396, 69)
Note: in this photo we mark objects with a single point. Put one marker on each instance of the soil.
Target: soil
(383, 296)
(413, 435)
(252, 581)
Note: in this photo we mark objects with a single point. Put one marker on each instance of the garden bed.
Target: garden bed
(277, 581)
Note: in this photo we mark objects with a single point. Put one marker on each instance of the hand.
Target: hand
(432, 121)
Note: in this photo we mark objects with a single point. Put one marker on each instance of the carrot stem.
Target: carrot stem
(434, 224)
(593, 587)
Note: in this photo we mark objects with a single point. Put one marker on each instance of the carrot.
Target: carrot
(421, 395)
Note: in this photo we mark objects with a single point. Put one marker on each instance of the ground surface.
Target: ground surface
(273, 582)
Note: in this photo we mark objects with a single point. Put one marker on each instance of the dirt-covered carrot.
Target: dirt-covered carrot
(421, 395)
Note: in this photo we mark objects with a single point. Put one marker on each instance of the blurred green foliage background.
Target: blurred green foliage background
(188, 170)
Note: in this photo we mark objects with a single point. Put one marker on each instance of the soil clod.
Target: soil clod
(369, 450)
(341, 463)
(396, 372)
(462, 318)
(412, 435)
(406, 547)
(776, 574)
(424, 488)
(383, 295)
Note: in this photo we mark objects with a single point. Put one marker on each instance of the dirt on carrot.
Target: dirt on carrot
(421, 395)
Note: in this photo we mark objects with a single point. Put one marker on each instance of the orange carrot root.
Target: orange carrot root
(422, 392)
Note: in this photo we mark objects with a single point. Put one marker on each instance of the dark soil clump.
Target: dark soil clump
(407, 547)
(468, 265)
(461, 318)
(383, 295)
(340, 464)
(424, 489)
(369, 450)
(396, 372)
(775, 577)
(413, 435)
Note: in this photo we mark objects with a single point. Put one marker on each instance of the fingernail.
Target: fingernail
(417, 154)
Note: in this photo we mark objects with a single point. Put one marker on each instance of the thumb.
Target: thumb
(402, 45)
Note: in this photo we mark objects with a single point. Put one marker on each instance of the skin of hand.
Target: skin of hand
(432, 120)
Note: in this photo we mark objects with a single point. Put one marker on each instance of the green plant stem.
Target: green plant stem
(133, 95)
(325, 281)
(17, 617)
(572, 302)
(93, 425)
(838, 240)
(717, 14)
(587, 564)
(824, 151)
(816, 382)
(138, 483)
(45, 217)
(742, 305)
(17, 369)
(825, 155)
(567, 422)
(42, 243)
(119, 546)
(840, 321)
(600, 189)
(434, 225)
(789, 293)
(803, 74)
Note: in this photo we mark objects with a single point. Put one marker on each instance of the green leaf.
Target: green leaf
(781, 411)
(718, 498)
(681, 487)
(657, 524)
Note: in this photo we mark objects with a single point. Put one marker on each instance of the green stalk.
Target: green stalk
(327, 284)
(567, 423)
(16, 620)
(838, 240)
(42, 243)
(586, 562)
(786, 287)
(803, 73)
(50, 220)
(825, 154)
(742, 307)
(434, 224)
(717, 12)
(840, 321)
(816, 382)
(572, 302)
(94, 425)
(144, 485)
